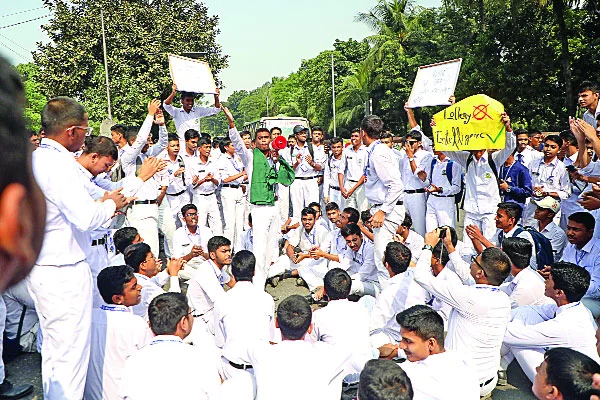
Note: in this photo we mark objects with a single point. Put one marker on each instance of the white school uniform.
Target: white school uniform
(441, 208)
(305, 188)
(355, 162)
(587, 257)
(331, 184)
(232, 198)
(525, 289)
(362, 269)
(152, 287)
(184, 120)
(415, 199)
(556, 236)
(183, 241)
(205, 197)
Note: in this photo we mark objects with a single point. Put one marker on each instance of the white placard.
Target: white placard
(434, 84)
(191, 75)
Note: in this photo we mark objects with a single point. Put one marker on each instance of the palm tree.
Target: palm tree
(353, 98)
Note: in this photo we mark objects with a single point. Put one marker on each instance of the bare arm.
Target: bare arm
(169, 100)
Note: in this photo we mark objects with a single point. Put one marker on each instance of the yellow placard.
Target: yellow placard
(474, 123)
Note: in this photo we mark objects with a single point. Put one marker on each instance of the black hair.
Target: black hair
(350, 229)
(308, 211)
(294, 316)
(120, 128)
(337, 284)
(336, 140)
(131, 133)
(275, 127)
(261, 130)
(383, 379)
(372, 125)
(243, 265)
(571, 372)
(173, 138)
(187, 94)
(415, 134)
(569, 137)
(315, 204)
(136, 254)
(424, 321)
(385, 135)
(398, 256)
(124, 238)
(112, 280)
(439, 251)
(225, 142)
(332, 205)
(518, 250)
(587, 85)
(217, 241)
(317, 128)
(571, 279)
(407, 223)
(521, 131)
(191, 134)
(204, 141)
(554, 138)
(584, 218)
(60, 113)
(365, 216)
(533, 132)
(245, 133)
(355, 130)
(353, 215)
(513, 210)
(187, 208)
(496, 265)
(165, 311)
(250, 217)
(453, 235)
(101, 145)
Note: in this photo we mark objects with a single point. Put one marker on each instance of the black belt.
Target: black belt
(206, 194)
(351, 180)
(240, 366)
(414, 191)
(145, 202)
(176, 194)
(398, 203)
(229, 185)
(439, 195)
(99, 242)
(334, 187)
(486, 382)
(305, 178)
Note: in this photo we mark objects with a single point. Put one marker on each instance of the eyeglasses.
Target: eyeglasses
(191, 214)
(474, 260)
(88, 129)
(411, 141)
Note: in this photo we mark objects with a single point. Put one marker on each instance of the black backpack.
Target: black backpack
(544, 255)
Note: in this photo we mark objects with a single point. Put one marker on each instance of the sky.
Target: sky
(264, 38)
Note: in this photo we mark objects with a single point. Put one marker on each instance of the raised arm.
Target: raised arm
(240, 148)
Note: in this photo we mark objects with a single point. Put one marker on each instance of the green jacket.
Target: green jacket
(265, 176)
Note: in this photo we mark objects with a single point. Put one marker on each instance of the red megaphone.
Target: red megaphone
(279, 143)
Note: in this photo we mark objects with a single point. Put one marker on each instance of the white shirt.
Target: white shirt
(194, 377)
(308, 368)
(347, 323)
(444, 309)
(528, 155)
(131, 153)
(481, 188)
(477, 321)
(525, 289)
(587, 257)
(523, 235)
(70, 211)
(415, 243)
(230, 166)
(354, 162)
(384, 183)
(152, 287)
(401, 293)
(177, 184)
(117, 333)
(202, 170)
(303, 169)
(245, 314)
(591, 119)
(205, 287)
(423, 161)
(557, 238)
(443, 376)
(333, 167)
(184, 240)
(318, 236)
(247, 238)
(338, 243)
(549, 326)
(440, 179)
(184, 120)
(552, 177)
(361, 264)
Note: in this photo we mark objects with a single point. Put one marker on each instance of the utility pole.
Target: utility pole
(333, 93)
(106, 66)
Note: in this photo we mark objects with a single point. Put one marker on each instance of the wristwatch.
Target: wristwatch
(428, 247)
(507, 190)
(411, 159)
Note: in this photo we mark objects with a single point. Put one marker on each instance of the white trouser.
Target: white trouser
(381, 336)
(166, 224)
(485, 223)
(441, 211)
(487, 389)
(208, 212)
(175, 205)
(312, 271)
(416, 207)
(232, 200)
(266, 229)
(362, 288)
(17, 300)
(283, 192)
(303, 192)
(144, 218)
(358, 199)
(383, 236)
(335, 196)
(97, 258)
(63, 301)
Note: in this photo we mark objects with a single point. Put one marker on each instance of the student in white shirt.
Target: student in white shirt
(207, 284)
(441, 269)
(383, 188)
(409, 238)
(338, 243)
(566, 374)
(352, 177)
(117, 333)
(400, 293)
(524, 286)
(442, 188)
(333, 166)
(205, 180)
(245, 314)
(544, 214)
(317, 366)
(188, 116)
(525, 153)
(177, 192)
(122, 239)
(191, 241)
(146, 267)
(567, 323)
(434, 372)
(359, 262)
(247, 237)
(233, 202)
(196, 375)
(480, 312)
(384, 380)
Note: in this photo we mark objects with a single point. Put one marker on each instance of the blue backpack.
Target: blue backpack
(543, 248)
(458, 196)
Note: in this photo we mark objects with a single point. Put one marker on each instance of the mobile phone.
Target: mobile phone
(571, 168)
(442, 232)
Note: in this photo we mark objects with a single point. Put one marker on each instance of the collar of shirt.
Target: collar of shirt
(51, 144)
(208, 162)
(411, 236)
(487, 287)
(522, 275)
(166, 339)
(115, 307)
(216, 268)
(554, 162)
(511, 232)
(589, 246)
(351, 148)
(361, 249)
(185, 153)
(85, 172)
(142, 278)
(549, 228)
(191, 110)
(566, 307)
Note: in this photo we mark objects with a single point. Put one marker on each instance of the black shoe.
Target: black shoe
(10, 391)
(286, 275)
(274, 281)
(502, 378)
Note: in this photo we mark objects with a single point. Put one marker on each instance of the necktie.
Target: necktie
(520, 158)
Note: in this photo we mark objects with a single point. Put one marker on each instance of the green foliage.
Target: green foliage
(34, 96)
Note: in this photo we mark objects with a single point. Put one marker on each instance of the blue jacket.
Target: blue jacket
(519, 180)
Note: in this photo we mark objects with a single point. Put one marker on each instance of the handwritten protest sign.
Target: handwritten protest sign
(191, 75)
(471, 124)
(434, 84)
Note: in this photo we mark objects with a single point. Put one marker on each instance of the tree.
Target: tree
(33, 93)
(139, 36)
(353, 98)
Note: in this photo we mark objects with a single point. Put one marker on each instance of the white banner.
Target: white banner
(191, 75)
(434, 84)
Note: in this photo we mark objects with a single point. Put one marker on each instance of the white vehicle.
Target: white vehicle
(286, 124)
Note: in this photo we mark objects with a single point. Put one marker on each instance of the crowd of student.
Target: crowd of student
(402, 308)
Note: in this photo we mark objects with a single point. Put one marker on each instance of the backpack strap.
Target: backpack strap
(181, 165)
(449, 171)
(138, 165)
(433, 162)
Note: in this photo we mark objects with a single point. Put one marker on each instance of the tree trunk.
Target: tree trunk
(559, 12)
(481, 6)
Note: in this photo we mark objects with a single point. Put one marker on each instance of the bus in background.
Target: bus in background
(286, 124)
